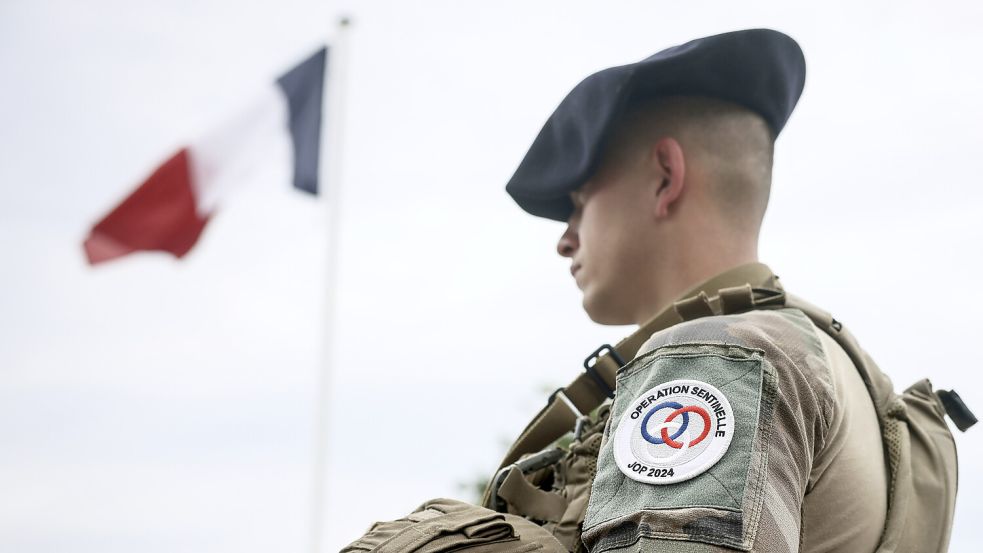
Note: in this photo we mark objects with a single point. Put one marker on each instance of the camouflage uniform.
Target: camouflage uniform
(791, 479)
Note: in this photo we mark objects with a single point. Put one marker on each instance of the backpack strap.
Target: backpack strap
(878, 384)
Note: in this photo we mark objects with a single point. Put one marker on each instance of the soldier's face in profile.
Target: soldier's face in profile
(609, 242)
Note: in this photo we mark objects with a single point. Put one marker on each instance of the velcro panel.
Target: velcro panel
(685, 456)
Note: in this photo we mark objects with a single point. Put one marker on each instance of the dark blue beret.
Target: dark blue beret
(760, 69)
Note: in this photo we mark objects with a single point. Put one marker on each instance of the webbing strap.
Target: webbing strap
(556, 418)
(694, 307)
(530, 500)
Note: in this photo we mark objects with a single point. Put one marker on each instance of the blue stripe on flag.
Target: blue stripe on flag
(304, 86)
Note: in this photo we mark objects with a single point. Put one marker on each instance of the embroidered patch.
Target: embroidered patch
(673, 432)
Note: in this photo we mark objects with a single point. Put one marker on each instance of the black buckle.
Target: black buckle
(956, 409)
(596, 376)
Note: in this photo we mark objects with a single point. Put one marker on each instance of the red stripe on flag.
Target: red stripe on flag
(159, 215)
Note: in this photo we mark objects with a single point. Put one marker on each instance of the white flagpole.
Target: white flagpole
(332, 152)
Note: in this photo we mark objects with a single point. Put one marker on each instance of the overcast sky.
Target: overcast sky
(160, 405)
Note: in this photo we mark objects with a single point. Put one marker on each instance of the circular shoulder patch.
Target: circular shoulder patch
(673, 432)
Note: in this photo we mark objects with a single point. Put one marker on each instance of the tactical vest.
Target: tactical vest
(551, 485)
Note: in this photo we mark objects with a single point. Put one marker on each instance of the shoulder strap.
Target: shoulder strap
(879, 386)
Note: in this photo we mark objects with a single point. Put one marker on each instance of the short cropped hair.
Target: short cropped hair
(730, 144)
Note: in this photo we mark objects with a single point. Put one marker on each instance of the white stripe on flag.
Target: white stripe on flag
(239, 152)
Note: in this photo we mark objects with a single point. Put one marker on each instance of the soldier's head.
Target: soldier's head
(662, 168)
(679, 195)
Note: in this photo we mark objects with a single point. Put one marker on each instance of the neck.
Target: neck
(688, 270)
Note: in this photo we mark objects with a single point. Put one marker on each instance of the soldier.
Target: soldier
(746, 419)
(739, 428)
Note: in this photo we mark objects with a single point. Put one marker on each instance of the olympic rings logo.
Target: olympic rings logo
(663, 428)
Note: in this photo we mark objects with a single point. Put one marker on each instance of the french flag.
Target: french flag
(169, 210)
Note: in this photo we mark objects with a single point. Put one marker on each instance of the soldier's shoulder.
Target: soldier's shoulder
(786, 337)
(786, 342)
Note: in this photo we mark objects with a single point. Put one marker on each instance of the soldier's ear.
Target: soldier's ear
(670, 167)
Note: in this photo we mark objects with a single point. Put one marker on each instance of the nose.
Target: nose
(568, 243)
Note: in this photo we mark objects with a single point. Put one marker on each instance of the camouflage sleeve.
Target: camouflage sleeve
(712, 435)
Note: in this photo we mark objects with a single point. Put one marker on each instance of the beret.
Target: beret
(760, 69)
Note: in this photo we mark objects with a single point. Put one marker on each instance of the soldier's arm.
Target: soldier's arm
(711, 439)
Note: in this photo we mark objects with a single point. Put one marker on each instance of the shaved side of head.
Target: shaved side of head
(728, 146)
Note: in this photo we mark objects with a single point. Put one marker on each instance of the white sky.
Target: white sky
(153, 405)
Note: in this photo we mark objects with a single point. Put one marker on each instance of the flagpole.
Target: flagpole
(332, 151)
